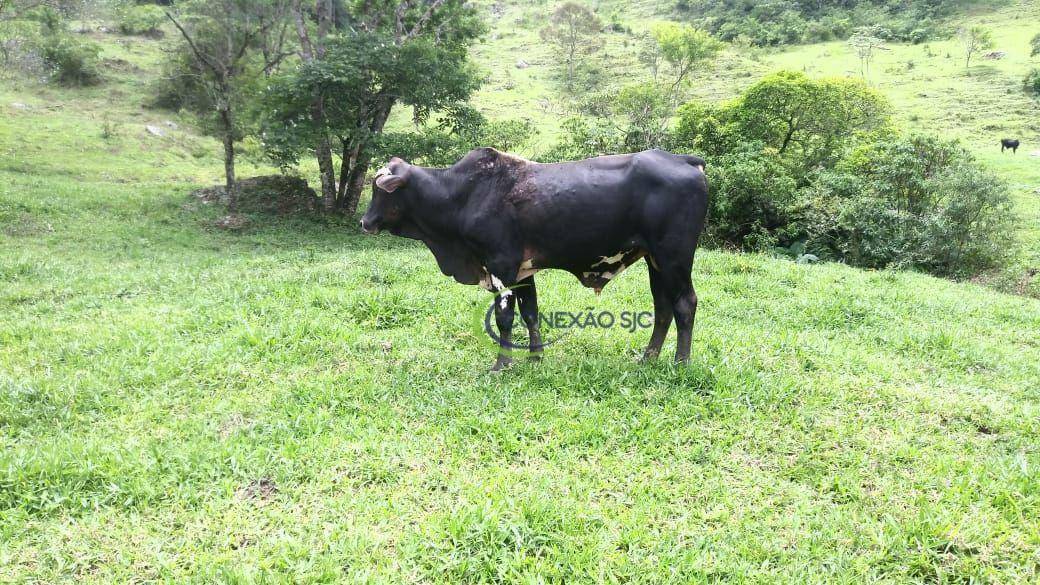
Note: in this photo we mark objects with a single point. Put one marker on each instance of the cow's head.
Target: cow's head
(388, 197)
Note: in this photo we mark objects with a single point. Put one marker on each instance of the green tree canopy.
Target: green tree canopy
(683, 48)
(806, 121)
(574, 31)
(388, 54)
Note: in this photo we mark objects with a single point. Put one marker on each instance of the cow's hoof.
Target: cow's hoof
(502, 363)
(649, 356)
(534, 357)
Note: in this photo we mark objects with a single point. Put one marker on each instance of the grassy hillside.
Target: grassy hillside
(178, 402)
(928, 84)
(297, 402)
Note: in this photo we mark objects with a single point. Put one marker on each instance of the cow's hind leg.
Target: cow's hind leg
(685, 311)
(662, 313)
(678, 287)
(527, 298)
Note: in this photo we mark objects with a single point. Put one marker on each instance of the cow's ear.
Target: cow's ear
(389, 183)
(391, 180)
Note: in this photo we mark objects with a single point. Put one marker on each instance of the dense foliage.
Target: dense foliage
(35, 40)
(1032, 81)
(69, 60)
(806, 21)
(143, 19)
(814, 167)
(806, 122)
(917, 202)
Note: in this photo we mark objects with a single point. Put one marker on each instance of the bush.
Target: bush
(785, 21)
(918, 202)
(70, 61)
(1032, 82)
(181, 85)
(751, 198)
(459, 132)
(145, 19)
(808, 122)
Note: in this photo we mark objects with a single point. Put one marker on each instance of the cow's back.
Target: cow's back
(599, 206)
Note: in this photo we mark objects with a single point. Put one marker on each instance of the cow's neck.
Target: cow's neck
(438, 197)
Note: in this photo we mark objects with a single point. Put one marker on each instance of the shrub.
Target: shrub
(751, 198)
(145, 19)
(462, 130)
(70, 60)
(585, 137)
(917, 202)
(49, 18)
(1032, 82)
(809, 122)
(181, 84)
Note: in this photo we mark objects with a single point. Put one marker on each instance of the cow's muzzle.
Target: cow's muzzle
(370, 228)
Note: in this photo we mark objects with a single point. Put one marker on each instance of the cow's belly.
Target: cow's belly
(595, 273)
(604, 269)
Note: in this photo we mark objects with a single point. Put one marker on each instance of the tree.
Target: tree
(1035, 46)
(650, 55)
(865, 43)
(646, 109)
(807, 122)
(220, 35)
(346, 85)
(312, 49)
(683, 48)
(974, 40)
(574, 30)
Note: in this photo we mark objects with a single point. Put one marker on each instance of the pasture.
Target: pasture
(299, 403)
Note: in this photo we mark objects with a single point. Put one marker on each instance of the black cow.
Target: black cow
(495, 219)
(1009, 143)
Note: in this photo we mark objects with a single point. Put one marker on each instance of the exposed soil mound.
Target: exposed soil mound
(276, 194)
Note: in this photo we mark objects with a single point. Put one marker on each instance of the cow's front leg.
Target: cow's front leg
(505, 303)
(527, 299)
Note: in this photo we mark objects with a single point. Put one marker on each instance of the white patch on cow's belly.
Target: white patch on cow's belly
(606, 275)
(527, 269)
(612, 259)
(609, 267)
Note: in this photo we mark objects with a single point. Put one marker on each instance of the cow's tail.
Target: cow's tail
(694, 161)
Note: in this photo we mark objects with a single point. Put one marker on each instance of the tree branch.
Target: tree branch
(194, 48)
(425, 18)
(306, 47)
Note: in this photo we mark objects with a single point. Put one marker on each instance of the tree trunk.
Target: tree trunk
(346, 175)
(230, 186)
(360, 160)
(327, 171)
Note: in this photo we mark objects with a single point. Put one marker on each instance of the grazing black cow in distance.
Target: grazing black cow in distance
(495, 219)
(1011, 143)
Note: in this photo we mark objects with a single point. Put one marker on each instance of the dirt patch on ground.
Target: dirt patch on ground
(232, 222)
(270, 194)
(260, 490)
(24, 225)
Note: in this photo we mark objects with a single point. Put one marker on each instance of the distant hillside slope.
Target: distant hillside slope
(930, 88)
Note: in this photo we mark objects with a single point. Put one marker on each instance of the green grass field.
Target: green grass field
(298, 403)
